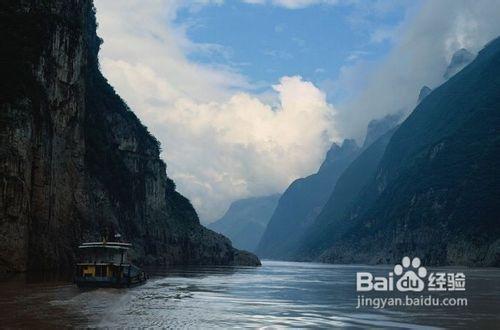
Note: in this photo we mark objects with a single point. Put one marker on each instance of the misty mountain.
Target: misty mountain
(458, 61)
(302, 201)
(378, 127)
(348, 186)
(435, 191)
(424, 91)
(330, 222)
(245, 220)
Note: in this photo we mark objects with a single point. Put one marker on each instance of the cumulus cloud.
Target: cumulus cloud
(244, 147)
(422, 48)
(221, 140)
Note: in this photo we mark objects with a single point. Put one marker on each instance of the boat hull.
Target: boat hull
(107, 282)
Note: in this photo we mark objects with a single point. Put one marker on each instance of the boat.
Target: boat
(106, 264)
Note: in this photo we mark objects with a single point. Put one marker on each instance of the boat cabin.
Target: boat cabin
(106, 264)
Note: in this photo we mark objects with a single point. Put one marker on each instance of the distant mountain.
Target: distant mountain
(245, 220)
(378, 127)
(329, 223)
(435, 191)
(424, 91)
(458, 61)
(348, 186)
(302, 201)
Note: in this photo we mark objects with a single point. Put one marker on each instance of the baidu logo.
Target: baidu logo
(410, 276)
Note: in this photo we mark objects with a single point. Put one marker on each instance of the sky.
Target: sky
(246, 96)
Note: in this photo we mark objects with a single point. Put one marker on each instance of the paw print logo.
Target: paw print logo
(411, 273)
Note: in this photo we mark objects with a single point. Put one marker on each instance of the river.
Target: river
(278, 294)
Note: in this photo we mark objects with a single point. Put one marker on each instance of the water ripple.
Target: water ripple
(279, 294)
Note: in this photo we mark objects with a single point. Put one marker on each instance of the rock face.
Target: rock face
(435, 191)
(76, 163)
(245, 220)
(302, 201)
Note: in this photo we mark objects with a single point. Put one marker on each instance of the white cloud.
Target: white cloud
(221, 142)
(280, 54)
(383, 34)
(244, 147)
(356, 55)
(291, 4)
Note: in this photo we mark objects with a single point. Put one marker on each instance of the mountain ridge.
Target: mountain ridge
(302, 201)
(437, 171)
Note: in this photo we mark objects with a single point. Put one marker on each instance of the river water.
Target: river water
(278, 294)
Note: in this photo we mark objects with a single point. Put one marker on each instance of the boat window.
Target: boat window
(100, 271)
(102, 255)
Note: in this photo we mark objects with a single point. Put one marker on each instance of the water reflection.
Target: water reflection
(277, 294)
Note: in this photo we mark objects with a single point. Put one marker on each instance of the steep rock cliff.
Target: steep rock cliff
(76, 163)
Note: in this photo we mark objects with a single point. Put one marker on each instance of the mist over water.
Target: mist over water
(286, 294)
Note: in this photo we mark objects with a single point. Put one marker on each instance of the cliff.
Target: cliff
(76, 163)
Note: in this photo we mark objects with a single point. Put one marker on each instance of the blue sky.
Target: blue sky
(265, 43)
